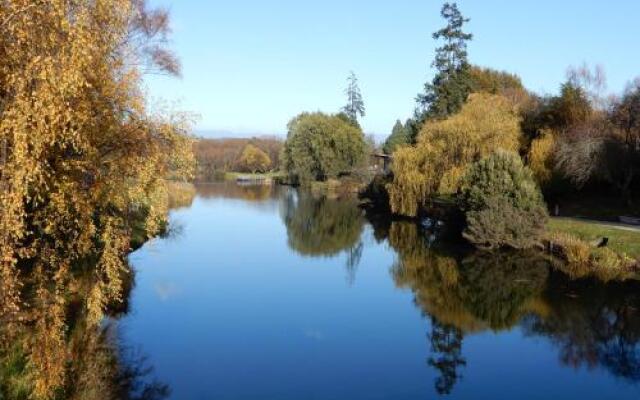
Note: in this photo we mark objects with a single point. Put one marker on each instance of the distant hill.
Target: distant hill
(226, 134)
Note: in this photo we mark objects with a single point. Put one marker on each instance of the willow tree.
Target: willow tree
(321, 146)
(446, 148)
(81, 152)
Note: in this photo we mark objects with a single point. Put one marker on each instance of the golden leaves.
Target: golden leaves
(79, 153)
(446, 147)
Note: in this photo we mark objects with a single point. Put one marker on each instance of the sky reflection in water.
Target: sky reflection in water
(264, 292)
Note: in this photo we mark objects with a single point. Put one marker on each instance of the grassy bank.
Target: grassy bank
(580, 244)
(622, 239)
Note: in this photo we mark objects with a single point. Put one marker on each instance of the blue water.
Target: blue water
(245, 301)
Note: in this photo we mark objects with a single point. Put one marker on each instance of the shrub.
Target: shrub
(321, 146)
(503, 204)
(445, 148)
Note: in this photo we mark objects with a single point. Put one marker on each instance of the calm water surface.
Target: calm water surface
(266, 293)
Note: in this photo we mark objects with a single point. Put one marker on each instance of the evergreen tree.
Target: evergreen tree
(449, 89)
(355, 104)
(400, 135)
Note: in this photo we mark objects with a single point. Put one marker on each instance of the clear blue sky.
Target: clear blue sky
(251, 65)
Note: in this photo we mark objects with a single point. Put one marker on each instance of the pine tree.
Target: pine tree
(449, 89)
(355, 104)
(400, 135)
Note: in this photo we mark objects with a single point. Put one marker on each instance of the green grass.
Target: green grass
(230, 176)
(622, 241)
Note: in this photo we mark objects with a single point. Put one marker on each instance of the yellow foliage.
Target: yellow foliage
(80, 153)
(580, 259)
(445, 148)
(541, 157)
(254, 159)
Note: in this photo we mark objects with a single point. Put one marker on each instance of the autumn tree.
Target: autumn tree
(254, 160)
(451, 85)
(445, 148)
(81, 152)
(321, 146)
(355, 104)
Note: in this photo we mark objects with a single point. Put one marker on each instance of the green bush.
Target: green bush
(503, 203)
(321, 146)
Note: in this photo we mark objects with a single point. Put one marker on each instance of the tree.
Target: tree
(400, 135)
(83, 165)
(487, 80)
(254, 160)
(81, 153)
(625, 114)
(355, 104)
(447, 147)
(451, 86)
(321, 146)
(503, 204)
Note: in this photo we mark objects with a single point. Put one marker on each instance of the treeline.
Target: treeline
(215, 157)
(480, 140)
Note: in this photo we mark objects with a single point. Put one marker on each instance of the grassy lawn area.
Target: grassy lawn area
(621, 240)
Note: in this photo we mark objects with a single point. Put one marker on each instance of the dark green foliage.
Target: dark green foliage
(451, 86)
(503, 204)
(355, 104)
(320, 226)
(400, 135)
(321, 146)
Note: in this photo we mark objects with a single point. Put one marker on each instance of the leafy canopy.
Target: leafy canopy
(254, 159)
(321, 146)
(80, 152)
(447, 147)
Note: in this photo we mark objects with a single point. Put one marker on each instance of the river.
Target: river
(263, 292)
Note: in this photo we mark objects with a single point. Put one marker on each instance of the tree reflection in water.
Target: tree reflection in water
(50, 350)
(318, 226)
(593, 324)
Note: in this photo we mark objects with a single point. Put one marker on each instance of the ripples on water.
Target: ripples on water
(266, 292)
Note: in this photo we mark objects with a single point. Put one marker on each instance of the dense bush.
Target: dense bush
(321, 146)
(503, 204)
(446, 147)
